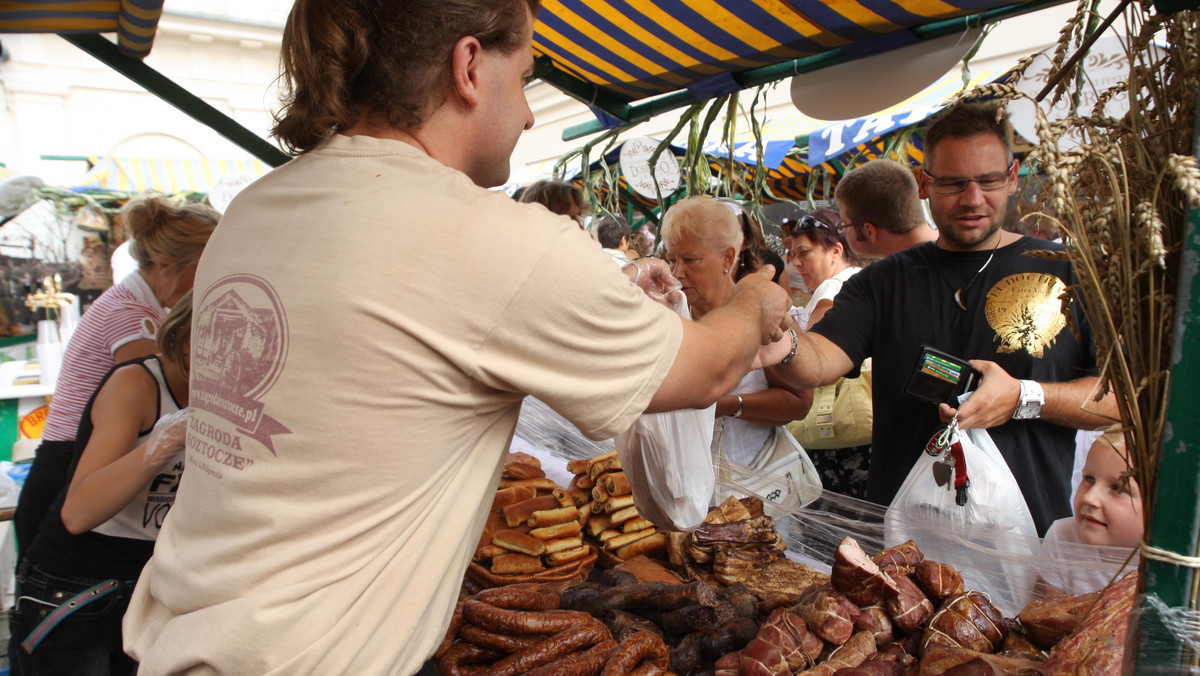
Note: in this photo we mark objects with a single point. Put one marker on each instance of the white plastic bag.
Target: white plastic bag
(993, 520)
(666, 458)
(993, 498)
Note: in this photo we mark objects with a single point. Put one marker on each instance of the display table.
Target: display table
(21, 393)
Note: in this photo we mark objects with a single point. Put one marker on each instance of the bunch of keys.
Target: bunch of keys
(951, 468)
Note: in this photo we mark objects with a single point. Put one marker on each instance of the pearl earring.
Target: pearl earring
(726, 270)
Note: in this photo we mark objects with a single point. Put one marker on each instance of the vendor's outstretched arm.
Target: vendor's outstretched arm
(718, 350)
(999, 394)
(817, 362)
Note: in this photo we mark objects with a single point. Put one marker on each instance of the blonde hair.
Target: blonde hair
(706, 219)
(1115, 437)
(175, 334)
(345, 58)
(167, 234)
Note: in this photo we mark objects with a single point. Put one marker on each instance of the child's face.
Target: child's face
(1108, 509)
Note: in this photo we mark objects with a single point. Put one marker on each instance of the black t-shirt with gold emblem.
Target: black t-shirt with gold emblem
(1013, 317)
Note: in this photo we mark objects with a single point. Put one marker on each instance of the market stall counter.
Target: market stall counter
(763, 588)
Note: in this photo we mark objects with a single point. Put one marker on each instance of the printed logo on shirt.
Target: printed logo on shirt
(1027, 312)
(161, 496)
(239, 347)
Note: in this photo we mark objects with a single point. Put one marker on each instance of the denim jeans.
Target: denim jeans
(85, 643)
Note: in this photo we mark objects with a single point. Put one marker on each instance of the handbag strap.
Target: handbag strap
(823, 399)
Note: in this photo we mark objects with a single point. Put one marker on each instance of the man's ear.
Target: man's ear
(869, 231)
(464, 69)
(922, 189)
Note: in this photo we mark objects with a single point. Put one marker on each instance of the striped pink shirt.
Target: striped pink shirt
(125, 313)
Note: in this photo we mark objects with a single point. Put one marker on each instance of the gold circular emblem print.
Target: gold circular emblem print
(1026, 312)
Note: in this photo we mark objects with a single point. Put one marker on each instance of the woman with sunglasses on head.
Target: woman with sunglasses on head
(704, 246)
(820, 252)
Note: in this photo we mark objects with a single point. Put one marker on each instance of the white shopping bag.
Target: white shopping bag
(666, 459)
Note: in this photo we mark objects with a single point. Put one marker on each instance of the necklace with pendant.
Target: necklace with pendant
(960, 290)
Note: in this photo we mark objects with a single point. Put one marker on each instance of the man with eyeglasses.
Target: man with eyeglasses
(881, 206)
(975, 295)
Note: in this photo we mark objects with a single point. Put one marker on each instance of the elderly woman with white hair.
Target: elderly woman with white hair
(704, 241)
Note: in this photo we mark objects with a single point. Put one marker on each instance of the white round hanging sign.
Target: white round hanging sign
(635, 165)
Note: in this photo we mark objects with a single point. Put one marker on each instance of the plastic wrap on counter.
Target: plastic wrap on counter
(1012, 569)
(1168, 638)
(540, 426)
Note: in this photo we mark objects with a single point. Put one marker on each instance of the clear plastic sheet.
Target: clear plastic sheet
(1012, 569)
(1166, 637)
(540, 426)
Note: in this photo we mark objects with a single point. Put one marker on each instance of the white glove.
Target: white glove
(654, 277)
(167, 440)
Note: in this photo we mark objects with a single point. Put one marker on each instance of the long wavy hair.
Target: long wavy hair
(342, 59)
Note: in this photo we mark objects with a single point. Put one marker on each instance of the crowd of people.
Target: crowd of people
(327, 488)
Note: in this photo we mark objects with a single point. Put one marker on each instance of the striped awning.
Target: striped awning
(168, 176)
(803, 156)
(134, 21)
(621, 57)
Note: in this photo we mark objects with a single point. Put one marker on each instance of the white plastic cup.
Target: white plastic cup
(49, 351)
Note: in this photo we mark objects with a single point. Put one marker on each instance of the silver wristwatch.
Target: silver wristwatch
(1032, 400)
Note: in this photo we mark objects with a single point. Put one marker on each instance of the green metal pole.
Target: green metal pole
(163, 87)
(1175, 524)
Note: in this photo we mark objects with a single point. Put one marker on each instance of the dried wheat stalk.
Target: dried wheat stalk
(1121, 196)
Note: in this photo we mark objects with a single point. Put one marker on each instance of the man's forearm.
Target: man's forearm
(817, 362)
(716, 352)
(1073, 404)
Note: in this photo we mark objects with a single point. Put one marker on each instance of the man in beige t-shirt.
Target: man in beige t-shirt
(365, 331)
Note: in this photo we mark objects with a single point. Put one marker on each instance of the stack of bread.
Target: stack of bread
(604, 497)
(534, 524)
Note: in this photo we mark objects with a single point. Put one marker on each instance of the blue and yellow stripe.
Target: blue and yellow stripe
(636, 49)
(134, 21)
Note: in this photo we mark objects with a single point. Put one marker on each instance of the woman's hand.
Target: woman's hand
(113, 470)
(166, 442)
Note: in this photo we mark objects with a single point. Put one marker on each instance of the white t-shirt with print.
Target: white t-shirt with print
(367, 322)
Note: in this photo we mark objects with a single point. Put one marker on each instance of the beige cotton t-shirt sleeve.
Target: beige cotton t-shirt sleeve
(584, 339)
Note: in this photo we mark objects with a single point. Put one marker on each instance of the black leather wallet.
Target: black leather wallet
(939, 378)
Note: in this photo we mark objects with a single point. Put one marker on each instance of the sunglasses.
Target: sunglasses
(810, 223)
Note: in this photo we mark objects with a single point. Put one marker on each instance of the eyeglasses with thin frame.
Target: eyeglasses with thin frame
(954, 186)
